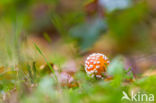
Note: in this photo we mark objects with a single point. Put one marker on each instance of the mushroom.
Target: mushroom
(96, 65)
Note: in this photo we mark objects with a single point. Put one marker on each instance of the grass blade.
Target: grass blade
(40, 52)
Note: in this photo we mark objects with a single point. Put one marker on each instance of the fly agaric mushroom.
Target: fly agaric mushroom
(96, 64)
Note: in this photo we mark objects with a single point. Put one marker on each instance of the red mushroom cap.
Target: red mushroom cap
(96, 64)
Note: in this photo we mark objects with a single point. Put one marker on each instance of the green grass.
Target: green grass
(44, 88)
(51, 68)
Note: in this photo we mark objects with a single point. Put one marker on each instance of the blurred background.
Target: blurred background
(71, 28)
(66, 31)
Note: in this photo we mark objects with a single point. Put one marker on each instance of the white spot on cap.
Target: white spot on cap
(98, 76)
(97, 66)
(95, 71)
(93, 54)
(94, 62)
(89, 73)
(87, 62)
(98, 56)
(92, 71)
(88, 58)
(105, 57)
(98, 62)
(91, 66)
(86, 68)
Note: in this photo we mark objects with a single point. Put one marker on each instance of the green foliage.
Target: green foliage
(88, 32)
(147, 84)
(123, 22)
(116, 69)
